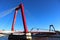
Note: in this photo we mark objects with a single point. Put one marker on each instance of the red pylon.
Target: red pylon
(23, 17)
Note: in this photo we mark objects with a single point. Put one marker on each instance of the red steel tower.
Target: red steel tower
(21, 6)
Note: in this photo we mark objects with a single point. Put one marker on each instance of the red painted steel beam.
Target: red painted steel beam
(14, 20)
(24, 19)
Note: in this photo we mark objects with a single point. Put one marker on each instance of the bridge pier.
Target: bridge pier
(20, 37)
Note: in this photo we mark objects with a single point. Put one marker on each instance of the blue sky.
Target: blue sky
(39, 14)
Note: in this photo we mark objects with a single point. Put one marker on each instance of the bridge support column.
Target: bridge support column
(28, 36)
